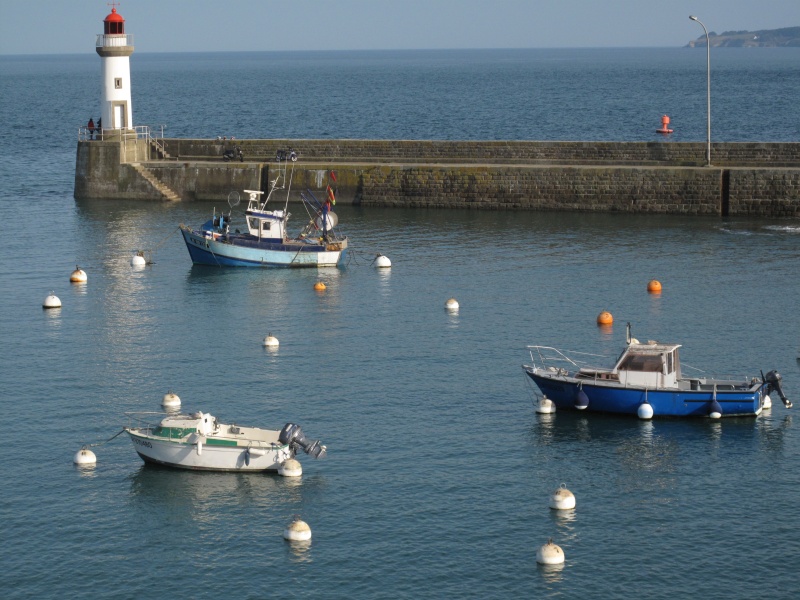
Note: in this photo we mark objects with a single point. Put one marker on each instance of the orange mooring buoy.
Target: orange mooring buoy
(319, 286)
(664, 125)
(605, 318)
(654, 286)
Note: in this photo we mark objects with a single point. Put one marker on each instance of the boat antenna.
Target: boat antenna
(288, 190)
(274, 183)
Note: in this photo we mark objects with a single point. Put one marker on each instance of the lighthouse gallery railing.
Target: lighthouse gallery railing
(114, 39)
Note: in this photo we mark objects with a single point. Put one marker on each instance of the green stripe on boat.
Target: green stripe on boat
(215, 442)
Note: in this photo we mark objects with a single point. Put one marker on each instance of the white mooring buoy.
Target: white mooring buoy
(84, 457)
(451, 304)
(645, 411)
(271, 342)
(290, 468)
(137, 260)
(550, 554)
(382, 262)
(297, 531)
(546, 406)
(562, 499)
(171, 400)
(78, 275)
(52, 301)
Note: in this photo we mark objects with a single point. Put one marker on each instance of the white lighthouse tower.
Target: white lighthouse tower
(114, 47)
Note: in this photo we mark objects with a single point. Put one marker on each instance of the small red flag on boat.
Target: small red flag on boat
(333, 175)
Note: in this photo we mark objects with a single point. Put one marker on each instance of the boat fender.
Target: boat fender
(715, 411)
(247, 457)
(199, 447)
(645, 411)
(581, 400)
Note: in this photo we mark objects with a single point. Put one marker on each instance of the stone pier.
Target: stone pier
(759, 179)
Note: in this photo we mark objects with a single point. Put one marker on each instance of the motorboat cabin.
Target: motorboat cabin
(650, 365)
(266, 225)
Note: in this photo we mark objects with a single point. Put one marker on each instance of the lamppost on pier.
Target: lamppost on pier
(708, 91)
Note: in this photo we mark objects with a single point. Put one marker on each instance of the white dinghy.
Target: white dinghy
(200, 441)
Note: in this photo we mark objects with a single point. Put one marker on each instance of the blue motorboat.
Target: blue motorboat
(265, 243)
(646, 381)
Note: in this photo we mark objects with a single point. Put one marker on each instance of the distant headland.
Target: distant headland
(786, 37)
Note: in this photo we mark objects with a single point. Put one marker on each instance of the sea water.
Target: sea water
(439, 471)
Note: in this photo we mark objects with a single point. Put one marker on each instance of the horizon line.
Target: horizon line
(307, 51)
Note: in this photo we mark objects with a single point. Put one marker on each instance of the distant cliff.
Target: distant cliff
(766, 38)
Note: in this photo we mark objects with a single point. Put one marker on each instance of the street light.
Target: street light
(708, 91)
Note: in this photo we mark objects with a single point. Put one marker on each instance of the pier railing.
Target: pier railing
(139, 132)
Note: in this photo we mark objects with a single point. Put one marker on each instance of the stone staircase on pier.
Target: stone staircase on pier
(167, 192)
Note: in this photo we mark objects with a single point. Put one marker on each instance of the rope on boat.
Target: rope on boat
(535, 395)
(164, 241)
(105, 442)
(214, 255)
(296, 254)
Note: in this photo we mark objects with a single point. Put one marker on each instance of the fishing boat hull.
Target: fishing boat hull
(238, 250)
(609, 397)
(208, 454)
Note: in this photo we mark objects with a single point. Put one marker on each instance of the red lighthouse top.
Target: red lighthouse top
(113, 23)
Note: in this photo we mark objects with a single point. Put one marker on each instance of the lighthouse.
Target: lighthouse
(115, 47)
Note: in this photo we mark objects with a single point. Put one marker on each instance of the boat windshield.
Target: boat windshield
(648, 363)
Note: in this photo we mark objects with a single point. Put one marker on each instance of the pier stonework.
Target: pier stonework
(754, 179)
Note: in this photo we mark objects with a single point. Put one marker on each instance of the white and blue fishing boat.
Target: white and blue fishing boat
(646, 381)
(266, 242)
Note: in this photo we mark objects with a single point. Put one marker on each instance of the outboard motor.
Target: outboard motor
(292, 434)
(773, 381)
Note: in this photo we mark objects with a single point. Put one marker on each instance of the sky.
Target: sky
(70, 26)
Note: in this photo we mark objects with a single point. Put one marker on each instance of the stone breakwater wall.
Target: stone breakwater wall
(657, 178)
(664, 190)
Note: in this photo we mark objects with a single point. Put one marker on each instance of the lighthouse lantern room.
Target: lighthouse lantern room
(115, 47)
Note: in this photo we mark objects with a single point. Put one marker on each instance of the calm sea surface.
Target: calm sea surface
(439, 471)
